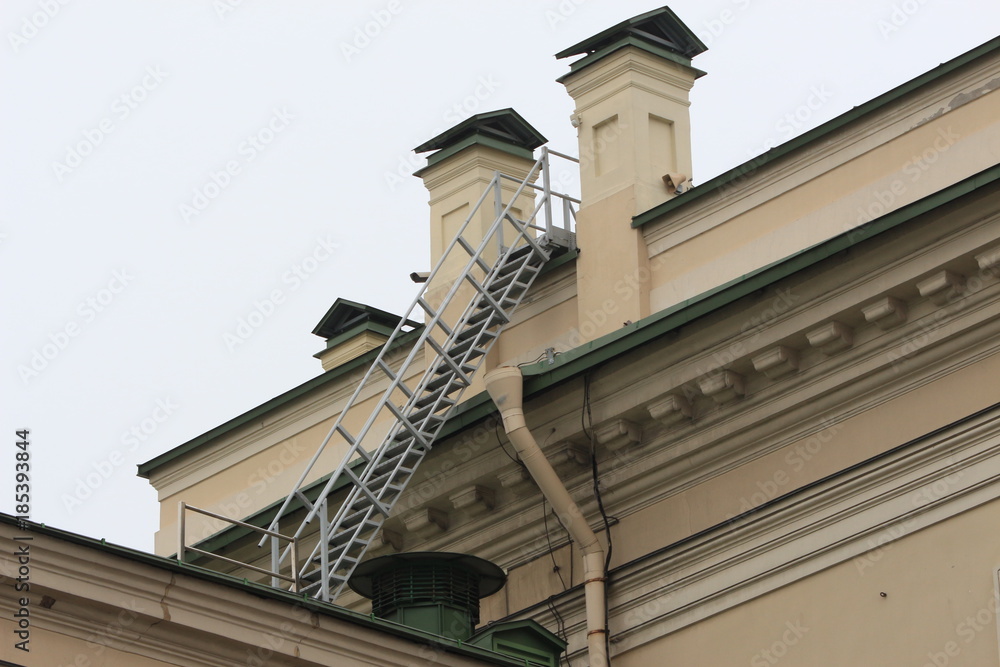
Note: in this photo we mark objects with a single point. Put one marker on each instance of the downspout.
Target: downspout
(505, 387)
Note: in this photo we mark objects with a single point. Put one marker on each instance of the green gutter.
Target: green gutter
(364, 361)
(747, 168)
(542, 375)
(261, 590)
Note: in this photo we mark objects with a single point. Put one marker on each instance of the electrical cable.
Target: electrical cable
(555, 565)
(560, 624)
(586, 417)
(496, 428)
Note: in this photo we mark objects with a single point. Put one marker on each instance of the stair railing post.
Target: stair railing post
(547, 191)
(498, 209)
(324, 552)
(275, 556)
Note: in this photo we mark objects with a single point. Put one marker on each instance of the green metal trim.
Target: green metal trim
(365, 360)
(358, 310)
(630, 40)
(356, 331)
(542, 375)
(261, 590)
(560, 260)
(663, 18)
(817, 133)
(473, 140)
(510, 121)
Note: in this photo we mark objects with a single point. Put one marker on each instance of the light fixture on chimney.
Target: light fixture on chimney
(676, 183)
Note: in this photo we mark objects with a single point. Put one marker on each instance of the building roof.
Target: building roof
(265, 591)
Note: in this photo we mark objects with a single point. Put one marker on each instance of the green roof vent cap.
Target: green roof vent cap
(430, 591)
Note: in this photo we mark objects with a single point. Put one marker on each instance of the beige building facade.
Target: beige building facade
(774, 395)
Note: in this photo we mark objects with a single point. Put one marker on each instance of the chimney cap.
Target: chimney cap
(344, 315)
(504, 125)
(659, 28)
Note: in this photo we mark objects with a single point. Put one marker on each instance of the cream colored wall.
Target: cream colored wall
(856, 176)
(838, 446)
(940, 608)
(634, 127)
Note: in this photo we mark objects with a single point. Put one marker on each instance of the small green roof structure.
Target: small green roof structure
(659, 32)
(525, 640)
(503, 129)
(345, 315)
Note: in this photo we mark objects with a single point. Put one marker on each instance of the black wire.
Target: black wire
(496, 428)
(587, 417)
(555, 565)
(560, 624)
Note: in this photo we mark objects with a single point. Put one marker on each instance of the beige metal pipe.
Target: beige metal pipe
(505, 386)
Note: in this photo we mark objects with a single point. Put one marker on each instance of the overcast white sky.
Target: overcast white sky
(120, 283)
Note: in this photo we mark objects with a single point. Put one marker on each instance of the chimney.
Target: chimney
(351, 329)
(462, 166)
(631, 93)
(457, 176)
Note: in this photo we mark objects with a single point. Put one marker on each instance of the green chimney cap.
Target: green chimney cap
(658, 31)
(344, 315)
(504, 130)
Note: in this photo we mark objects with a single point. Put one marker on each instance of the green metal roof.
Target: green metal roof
(504, 130)
(265, 591)
(660, 28)
(749, 167)
(344, 315)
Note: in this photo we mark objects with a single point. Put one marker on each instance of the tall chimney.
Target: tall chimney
(457, 174)
(462, 166)
(631, 93)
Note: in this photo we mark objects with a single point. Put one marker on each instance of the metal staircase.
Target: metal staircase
(498, 271)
